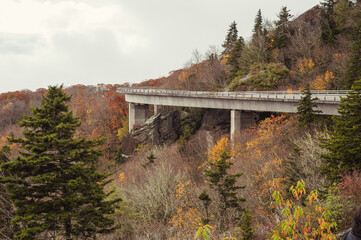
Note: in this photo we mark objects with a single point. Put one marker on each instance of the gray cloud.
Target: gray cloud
(114, 41)
(14, 43)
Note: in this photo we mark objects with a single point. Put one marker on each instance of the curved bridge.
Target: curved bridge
(241, 104)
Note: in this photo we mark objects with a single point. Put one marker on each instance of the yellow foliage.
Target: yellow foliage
(183, 76)
(123, 131)
(121, 177)
(322, 82)
(267, 181)
(304, 65)
(223, 145)
(339, 55)
(187, 217)
(225, 59)
(3, 140)
(8, 106)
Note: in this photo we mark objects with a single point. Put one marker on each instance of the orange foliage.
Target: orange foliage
(266, 133)
(268, 180)
(152, 82)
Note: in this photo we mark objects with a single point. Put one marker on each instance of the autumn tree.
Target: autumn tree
(344, 144)
(53, 183)
(231, 38)
(282, 31)
(305, 108)
(224, 184)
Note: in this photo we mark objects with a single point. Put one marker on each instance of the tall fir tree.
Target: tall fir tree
(344, 144)
(224, 184)
(246, 227)
(282, 31)
(328, 25)
(306, 108)
(353, 72)
(258, 23)
(54, 184)
(231, 38)
(234, 56)
(342, 14)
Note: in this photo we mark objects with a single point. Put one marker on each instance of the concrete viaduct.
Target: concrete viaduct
(243, 105)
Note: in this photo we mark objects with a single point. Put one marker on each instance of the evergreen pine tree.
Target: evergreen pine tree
(282, 33)
(258, 23)
(54, 184)
(119, 156)
(342, 14)
(305, 108)
(344, 144)
(328, 25)
(204, 197)
(246, 227)
(353, 72)
(259, 45)
(151, 157)
(234, 57)
(224, 184)
(231, 38)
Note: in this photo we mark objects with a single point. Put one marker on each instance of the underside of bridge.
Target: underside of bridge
(139, 114)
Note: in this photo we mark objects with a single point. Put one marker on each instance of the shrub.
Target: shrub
(302, 220)
(154, 196)
(269, 75)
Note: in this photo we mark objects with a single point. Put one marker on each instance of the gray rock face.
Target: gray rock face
(216, 120)
(159, 129)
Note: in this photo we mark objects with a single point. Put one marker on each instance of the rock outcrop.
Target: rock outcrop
(164, 129)
(217, 120)
(157, 130)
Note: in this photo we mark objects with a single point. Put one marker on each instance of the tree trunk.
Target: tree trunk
(67, 225)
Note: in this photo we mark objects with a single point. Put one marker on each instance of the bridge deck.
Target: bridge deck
(268, 101)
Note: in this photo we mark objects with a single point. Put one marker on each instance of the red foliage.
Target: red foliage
(151, 83)
(350, 186)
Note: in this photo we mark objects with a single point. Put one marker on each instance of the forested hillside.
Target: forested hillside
(293, 176)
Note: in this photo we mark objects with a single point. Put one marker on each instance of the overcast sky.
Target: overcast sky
(48, 42)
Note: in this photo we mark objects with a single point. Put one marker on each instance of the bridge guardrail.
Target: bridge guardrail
(322, 95)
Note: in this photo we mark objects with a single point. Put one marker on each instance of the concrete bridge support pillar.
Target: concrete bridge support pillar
(138, 114)
(157, 109)
(241, 120)
(235, 123)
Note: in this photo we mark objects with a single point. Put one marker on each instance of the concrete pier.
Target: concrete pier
(235, 123)
(241, 120)
(157, 109)
(138, 114)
